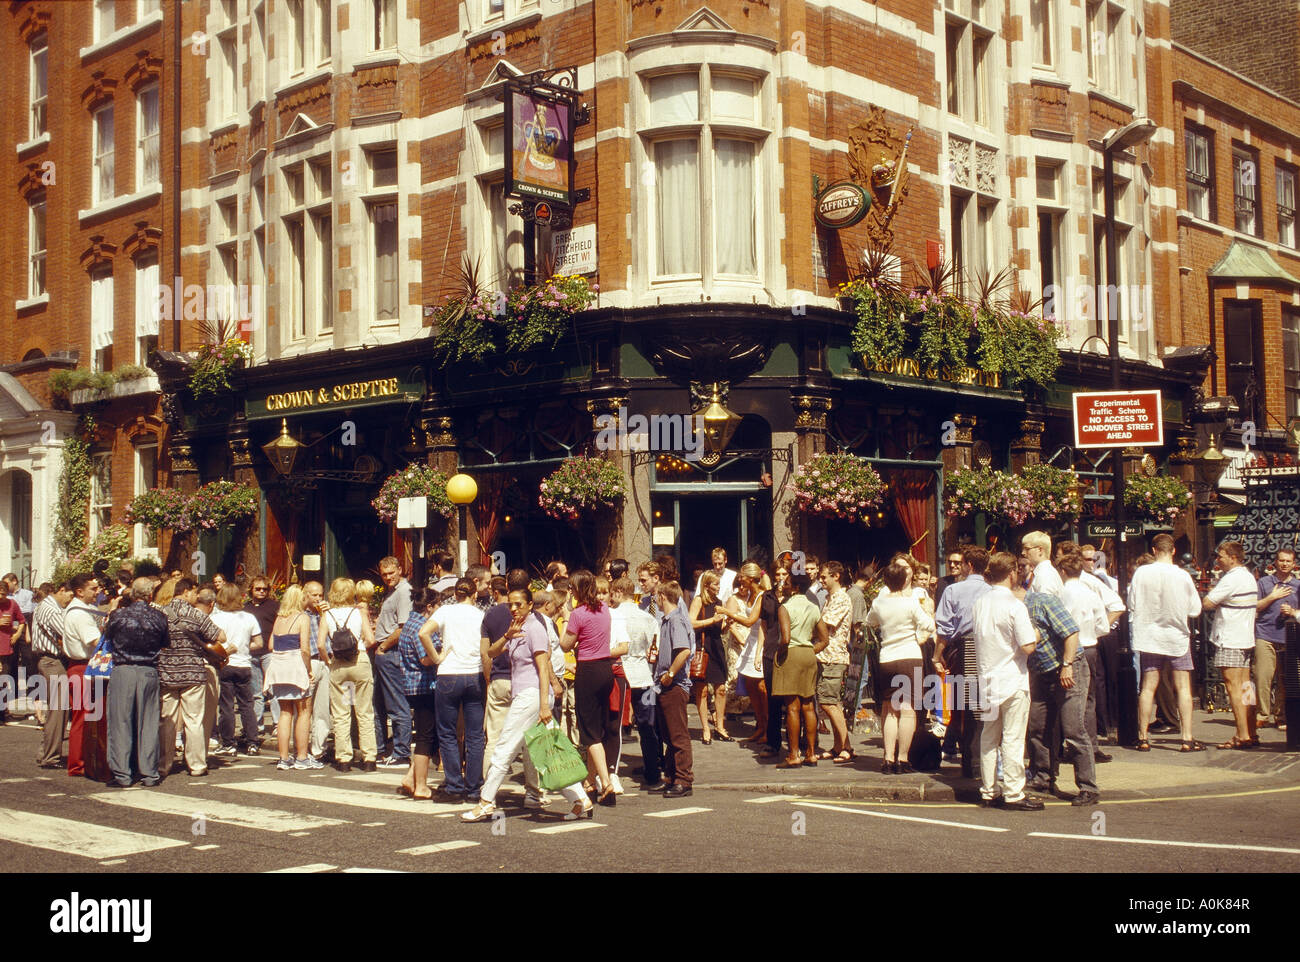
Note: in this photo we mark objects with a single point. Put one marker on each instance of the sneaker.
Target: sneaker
(1026, 804)
(1086, 798)
(309, 762)
(534, 801)
(392, 761)
(225, 751)
(251, 750)
(285, 765)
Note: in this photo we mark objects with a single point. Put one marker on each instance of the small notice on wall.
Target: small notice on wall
(575, 250)
(664, 535)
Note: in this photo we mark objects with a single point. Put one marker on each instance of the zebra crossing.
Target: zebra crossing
(253, 806)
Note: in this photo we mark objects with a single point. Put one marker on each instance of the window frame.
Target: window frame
(1291, 360)
(705, 131)
(141, 137)
(141, 535)
(969, 84)
(383, 23)
(1241, 157)
(323, 14)
(100, 12)
(373, 206)
(99, 155)
(97, 504)
(1055, 209)
(102, 298)
(1286, 215)
(146, 302)
(38, 47)
(1048, 43)
(1192, 133)
(35, 202)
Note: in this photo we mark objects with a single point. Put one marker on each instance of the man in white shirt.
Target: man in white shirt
(642, 630)
(726, 577)
(1102, 665)
(1234, 600)
(1004, 639)
(1162, 597)
(82, 623)
(1036, 548)
(1089, 613)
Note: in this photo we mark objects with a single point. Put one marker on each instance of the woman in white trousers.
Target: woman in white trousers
(531, 686)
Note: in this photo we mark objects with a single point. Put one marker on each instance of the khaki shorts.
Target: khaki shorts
(830, 683)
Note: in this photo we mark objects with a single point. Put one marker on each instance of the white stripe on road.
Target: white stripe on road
(372, 871)
(205, 848)
(77, 838)
(567, 827)
(439, 847)
(313, 867)
(375, 801)
(903, 818)
(1158, 841)
(673, 812)
(768, 799)
(223, 813)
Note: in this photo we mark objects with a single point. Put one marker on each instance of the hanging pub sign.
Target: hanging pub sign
(841, 205)
(539, 164)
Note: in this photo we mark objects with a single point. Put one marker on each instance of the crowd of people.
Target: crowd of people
(450, 676)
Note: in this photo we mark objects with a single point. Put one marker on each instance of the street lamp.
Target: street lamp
(719, 425)
(1130, 135)
(462, 491)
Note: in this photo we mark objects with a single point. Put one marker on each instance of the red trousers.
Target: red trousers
(77, 704)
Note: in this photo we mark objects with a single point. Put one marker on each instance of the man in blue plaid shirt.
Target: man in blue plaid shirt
(1058, 692)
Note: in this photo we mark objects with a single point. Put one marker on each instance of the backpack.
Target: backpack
(343, 643)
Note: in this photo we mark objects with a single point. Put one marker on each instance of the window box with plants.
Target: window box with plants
(929, 331)
(476, 322)
(80, 386)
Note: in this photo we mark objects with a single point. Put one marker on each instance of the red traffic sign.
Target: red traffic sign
(1118, 419)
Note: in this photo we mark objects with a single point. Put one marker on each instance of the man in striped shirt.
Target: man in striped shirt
(47, 648)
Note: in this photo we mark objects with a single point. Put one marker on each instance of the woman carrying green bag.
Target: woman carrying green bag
(531, 685)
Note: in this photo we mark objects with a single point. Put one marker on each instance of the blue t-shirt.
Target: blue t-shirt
(1270, 624)
(417, 678)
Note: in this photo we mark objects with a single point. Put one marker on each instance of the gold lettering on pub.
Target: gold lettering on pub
(356, 391)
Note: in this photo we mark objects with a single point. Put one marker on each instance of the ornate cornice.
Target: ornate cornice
(725, 351)
(143, 238)
(97, 254)
(145, 70)
(99, 92)
(38, 21)
(810, 411)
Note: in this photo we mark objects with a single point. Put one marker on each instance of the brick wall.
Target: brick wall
(1257, 38)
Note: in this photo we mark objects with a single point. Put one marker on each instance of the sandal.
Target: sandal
(825, 756)
(795, 762)
(706, 741)
(845, 756)
(403, 789)
(1192, 746)
(723, 737)
(1236, 742)
(810, 760)
(479, 813)
(1143, 745)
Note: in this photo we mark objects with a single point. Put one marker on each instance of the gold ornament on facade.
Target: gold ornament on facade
(605, 407)
(810, 411)
(1031, 433)
(878, 163)
(439, 433)
(239, 453)
(183, 459)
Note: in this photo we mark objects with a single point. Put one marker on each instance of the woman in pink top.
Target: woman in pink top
(588, 630)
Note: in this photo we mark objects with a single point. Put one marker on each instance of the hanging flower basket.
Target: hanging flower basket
(995, 493)
(1052, 492)
(415, 481)
(581, 485)
(159, 509)
(842, 487)
(1158, 500)
(220, 503)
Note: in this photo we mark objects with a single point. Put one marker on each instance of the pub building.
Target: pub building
(717, 279)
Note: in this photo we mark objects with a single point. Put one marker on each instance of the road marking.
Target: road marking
(56, 794)
(205, 848)
(299, 834)
(1055, 803)
(438, 847)
(373, 824)
(15, 781)
(313, 867)
(768, 799)
(77, 838)
(569, 827)
(372, 871)
(374, 801)
(903, 818)
(114, 861)
(223, 813)
(1158, 841)
(673, 812)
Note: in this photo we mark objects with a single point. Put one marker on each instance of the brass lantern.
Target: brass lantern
(1211, 463)
(283, 451)
(719, 426)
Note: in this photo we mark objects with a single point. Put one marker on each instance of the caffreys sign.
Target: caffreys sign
(841, 205)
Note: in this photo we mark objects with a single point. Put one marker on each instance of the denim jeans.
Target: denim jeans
(457, 692)
(391, 705)
(652, 754)
(134, 710)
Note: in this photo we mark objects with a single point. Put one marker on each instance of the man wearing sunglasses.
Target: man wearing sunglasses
(261, 605)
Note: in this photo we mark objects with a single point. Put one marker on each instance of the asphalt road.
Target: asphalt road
(246, 817)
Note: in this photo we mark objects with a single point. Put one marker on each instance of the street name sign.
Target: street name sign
(1118, 419)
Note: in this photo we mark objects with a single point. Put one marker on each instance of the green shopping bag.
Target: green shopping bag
(558, 763)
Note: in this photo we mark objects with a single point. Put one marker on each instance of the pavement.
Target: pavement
(1162, 772)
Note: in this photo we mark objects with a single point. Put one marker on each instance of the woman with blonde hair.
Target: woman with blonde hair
(288, 677)
(745, 607)
(709, 619)
(351, 677)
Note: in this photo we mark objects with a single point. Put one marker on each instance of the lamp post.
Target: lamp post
(283, 451)
(1130, 135)
(462, 491)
